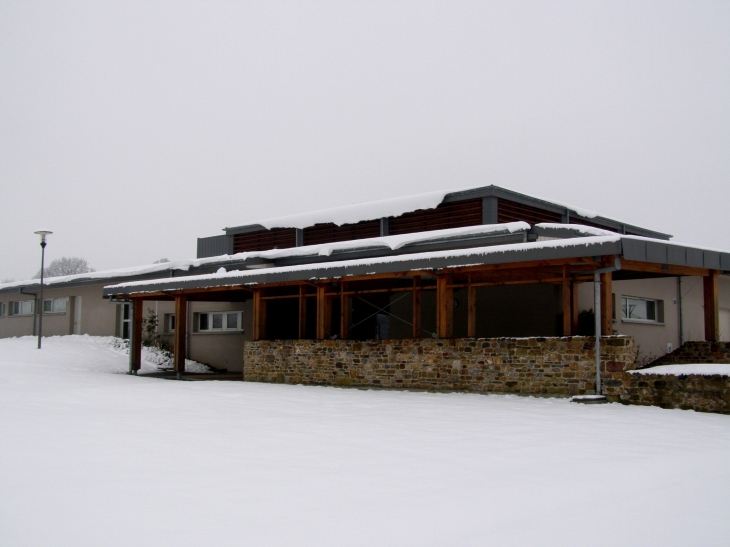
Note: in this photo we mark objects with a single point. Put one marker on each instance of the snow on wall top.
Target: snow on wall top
(238, 277)
(703, 369)
(372, 210)
(578, 228)
(324, 249)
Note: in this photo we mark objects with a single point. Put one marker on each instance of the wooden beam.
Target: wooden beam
(135, 347)
(324, 313)
(444, 307)
(567, 307)
(259, 316)
(344, 312)
(574, 307)
(471, 324)
(417, 306)
(712, 311)
(664, 269)
(607, 304)
(302, 313)
(181, 325)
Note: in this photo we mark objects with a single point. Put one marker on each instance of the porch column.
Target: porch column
(302, 313)
(344, 312)
(259, 315)
(471, 324)
(324, 313)
(567, 305)
(444, 307)
(135, 344)
(181, 328)
(712, 311)
(607, 304)
(416, 306)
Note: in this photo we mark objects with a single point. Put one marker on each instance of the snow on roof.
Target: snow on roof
(577, 228)
(703, 369)
(393, 207)
(238, 277)
(324, 249)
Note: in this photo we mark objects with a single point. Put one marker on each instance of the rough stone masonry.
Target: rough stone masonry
(550, 366)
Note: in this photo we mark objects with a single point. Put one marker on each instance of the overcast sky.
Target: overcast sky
(129, 130)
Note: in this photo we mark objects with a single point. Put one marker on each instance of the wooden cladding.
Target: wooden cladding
(281, 238)
(510, 211)
(447, 215)
(329, 233)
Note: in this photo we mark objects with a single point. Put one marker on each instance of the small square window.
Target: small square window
(217, 321)
(642, 310)
(203, 321)
(232, 321)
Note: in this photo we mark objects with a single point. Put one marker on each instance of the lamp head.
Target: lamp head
(43, 234)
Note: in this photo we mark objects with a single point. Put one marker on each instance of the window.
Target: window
(126, 321)
(169, 323)
(219, 321)
(55, 305)
(24, 307)
(642, 310)
(2, 309)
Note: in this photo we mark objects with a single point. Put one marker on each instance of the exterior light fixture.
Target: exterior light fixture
(43, 234)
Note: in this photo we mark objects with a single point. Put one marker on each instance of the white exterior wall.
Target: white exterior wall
(652, 339)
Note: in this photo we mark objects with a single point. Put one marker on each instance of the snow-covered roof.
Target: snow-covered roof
(324, 249)
(393, 207)
(703, 369)
(410, 262)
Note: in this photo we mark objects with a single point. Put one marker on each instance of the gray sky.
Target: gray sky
(132, 129)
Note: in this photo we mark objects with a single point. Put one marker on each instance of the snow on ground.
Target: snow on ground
(705, 369)
(93, 457)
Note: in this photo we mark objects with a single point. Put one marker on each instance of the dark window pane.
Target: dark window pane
(232, 321)
(217, 320)
(203, 321)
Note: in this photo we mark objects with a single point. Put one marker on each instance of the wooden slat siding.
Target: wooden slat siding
(711, 308)
(510, 211)
(181, 324)
(263, 240)
(446, 215)
(330, 233)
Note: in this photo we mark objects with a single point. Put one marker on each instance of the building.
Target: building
(485, 262)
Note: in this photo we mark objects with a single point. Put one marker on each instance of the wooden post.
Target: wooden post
(471, 325)
(444, 307)
(416, 306)
(324, 313)
(567, 307)
(344, 312)
(259, 315)
(302, 313)
(712, 311)
(135, 345)
(574, 307)
(181, 325)
(607, 304)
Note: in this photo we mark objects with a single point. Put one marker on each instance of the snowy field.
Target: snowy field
(92, 457)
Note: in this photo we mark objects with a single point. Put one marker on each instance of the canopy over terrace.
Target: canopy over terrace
(319, 293)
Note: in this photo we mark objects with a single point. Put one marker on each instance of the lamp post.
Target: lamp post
(43, 234)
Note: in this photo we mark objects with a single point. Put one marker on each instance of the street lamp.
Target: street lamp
(43, 234)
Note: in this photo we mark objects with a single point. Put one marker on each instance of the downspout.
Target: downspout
(679, 310)
(597, 314)
(35, 305)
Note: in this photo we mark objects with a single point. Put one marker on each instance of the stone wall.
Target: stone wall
(556, 366)
(689, 392)
(696, 352)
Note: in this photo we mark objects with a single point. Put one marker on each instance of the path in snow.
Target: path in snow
(91, 457)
